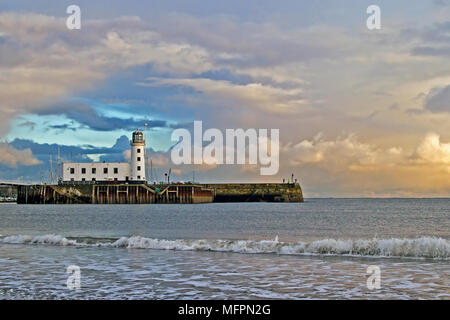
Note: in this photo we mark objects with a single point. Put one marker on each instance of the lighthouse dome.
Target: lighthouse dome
(138, 137)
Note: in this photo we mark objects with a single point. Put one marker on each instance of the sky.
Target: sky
(361, 113)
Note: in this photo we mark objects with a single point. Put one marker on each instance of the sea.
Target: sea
(319, 249)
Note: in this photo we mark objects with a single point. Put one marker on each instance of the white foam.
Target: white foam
(49, 239)
(423, 247)
(427, 247)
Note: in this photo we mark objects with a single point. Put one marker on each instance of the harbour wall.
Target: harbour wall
(113, 194)
(146, 194)
(256, 192)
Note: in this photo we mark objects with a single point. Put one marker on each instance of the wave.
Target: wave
(48, 239)
(423, 247)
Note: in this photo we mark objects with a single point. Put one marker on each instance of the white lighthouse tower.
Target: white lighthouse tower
(137, 156)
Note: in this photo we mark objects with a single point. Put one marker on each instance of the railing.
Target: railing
(16, 183)
(97, 182)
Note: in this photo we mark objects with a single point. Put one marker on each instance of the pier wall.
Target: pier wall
(113, 194)
(256, 192)
(146, 194)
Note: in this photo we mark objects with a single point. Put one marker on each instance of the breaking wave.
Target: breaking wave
(423, 247)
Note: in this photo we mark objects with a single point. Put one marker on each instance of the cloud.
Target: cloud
(434, 40)
(441, 3)
(438, 99)
(433, 151)
(158, 159)
(101, 123)
(53, 63)
(76, 153)
(431, 51)
(62, 127)
(347, 164)
(28, 124)
(342, 154)
(245, 44)
(12, 157)
(86, 116)
(252, 95)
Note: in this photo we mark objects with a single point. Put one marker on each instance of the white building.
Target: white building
(110, 171)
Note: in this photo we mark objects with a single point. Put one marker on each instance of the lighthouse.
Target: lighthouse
(95, 172)
(137, 156)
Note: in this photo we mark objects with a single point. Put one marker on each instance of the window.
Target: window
(105, 170)
(94, 171)
(127, 178)
(138, 158)
(139, 177)
(83, 179)
(116, 170)
(139, 168)
(93, 179)
(138, 150)
(72, 170)
(72, 179)
(83, 170)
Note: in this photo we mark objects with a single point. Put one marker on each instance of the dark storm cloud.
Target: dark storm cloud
(82, 113)
(101, 123)
(45, 149)
(62, 127)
